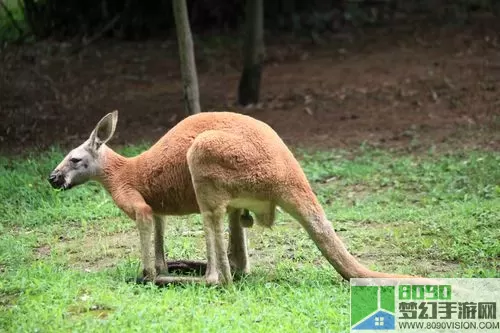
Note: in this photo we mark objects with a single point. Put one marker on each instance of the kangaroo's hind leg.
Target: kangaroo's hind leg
(237, 248)
(218, 269)
(218, 165)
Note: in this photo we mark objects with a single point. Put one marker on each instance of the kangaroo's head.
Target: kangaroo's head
(85, 161)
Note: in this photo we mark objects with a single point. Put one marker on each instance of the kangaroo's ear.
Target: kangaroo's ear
(104, 130)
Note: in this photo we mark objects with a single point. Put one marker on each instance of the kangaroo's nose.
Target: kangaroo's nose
(55, 179)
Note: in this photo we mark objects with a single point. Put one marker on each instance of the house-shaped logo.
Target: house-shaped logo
(372, 308)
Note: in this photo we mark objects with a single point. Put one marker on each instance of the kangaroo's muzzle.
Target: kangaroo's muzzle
(57, 180)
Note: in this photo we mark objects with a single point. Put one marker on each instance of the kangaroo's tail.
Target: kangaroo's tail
(306, 209)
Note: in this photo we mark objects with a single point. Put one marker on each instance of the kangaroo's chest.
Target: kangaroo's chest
(171, 192)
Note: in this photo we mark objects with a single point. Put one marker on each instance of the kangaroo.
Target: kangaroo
(212, 163)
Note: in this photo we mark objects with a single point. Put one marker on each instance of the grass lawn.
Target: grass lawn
(65, 257)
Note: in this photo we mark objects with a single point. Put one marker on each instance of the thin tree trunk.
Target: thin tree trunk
(186, 53)
(253, 51)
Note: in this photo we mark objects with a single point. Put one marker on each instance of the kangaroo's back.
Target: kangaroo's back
(251, 129)
(164, 172)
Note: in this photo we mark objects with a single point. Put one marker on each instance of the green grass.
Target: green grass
(65, 257)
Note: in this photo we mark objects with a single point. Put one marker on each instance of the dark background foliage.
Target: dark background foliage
(137, 19)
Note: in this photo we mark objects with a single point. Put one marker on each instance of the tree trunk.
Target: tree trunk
(253, 51)
(186, 53)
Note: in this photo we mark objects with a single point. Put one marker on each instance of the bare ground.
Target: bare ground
(98, 251)
(411, 86)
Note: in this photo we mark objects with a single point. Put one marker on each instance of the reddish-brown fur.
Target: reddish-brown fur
(215, 163)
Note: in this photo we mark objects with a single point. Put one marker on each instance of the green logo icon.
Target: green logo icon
(372, 308)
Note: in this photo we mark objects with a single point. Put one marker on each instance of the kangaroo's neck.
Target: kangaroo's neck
(116, 170)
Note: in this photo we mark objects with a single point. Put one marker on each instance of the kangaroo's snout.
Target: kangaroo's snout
(56, 180)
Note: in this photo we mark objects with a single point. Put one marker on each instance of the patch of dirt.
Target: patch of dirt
(8, 300)
(392, 261)
(95, 252)
(42, 251)
(405, 87)
(379, 248)
(96, 310)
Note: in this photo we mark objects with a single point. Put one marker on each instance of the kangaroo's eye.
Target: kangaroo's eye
(75, 160)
